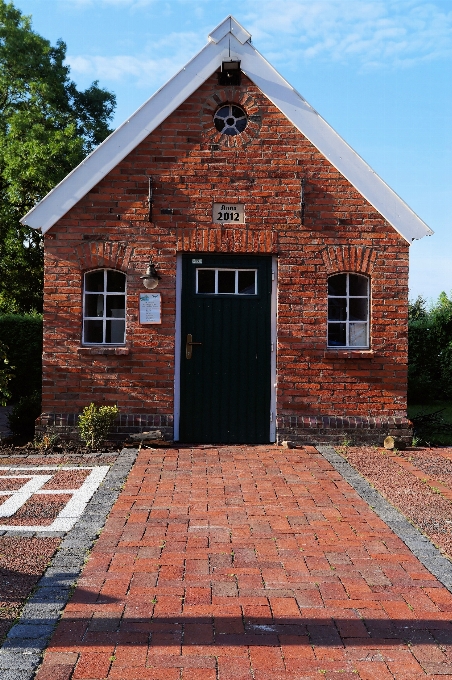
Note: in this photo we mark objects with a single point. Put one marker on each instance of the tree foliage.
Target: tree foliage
(430, 350)
(22, 335)
(47, 127)
(6, 375)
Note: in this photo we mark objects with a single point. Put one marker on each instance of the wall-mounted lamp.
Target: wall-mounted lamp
(151, 278)
(230, 73)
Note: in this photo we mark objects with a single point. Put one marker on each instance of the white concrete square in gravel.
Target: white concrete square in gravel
(34, 478)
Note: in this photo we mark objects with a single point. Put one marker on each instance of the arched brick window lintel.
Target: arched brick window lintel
(358, 259)
(104, 255)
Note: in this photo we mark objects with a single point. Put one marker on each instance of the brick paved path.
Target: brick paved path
(249, 562)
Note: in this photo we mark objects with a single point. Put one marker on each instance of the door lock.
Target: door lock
(188, 346)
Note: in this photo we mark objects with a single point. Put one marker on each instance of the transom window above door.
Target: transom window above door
(104, 307)
(210, 281)
(348, 310)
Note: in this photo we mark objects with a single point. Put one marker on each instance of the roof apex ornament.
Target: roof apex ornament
(230, 25)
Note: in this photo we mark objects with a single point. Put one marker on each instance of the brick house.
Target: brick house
(281, 309)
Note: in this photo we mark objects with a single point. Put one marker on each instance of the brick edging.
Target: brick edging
(414, 539)
(20, 654)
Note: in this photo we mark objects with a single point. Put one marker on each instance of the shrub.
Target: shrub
(22, 416)
(95, 423)
(22, 334)
(5, 375)
(430, 350)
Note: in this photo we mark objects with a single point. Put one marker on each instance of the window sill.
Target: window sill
(103, 350)
(348, 353)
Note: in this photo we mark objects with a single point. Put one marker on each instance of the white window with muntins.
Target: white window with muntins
(348, 310)
(104, 307)
(210, 281)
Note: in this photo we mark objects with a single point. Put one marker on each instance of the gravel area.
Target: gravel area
(22, 562)
(66, 479)
(38, 511)
(434, 462)
(24, 559)
(25, 641)
(68, 458)
(9, 484)
(416, 481)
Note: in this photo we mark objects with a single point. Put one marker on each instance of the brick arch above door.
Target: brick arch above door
(349, 259)
(226, 240)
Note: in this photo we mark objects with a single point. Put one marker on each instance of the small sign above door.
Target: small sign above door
(228, 212)
(150, 308)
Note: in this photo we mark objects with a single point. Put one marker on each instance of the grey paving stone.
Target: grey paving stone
(24, 630)
(49, 594)
(34, 611)
(420, 545)
(38, 620)
(18, 660)
(15, 674)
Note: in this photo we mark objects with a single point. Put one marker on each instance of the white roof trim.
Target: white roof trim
(230, 25)
(228, 40)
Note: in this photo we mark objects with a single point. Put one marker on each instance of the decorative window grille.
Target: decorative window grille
(104, 307)
(348, 310)
(230, 119)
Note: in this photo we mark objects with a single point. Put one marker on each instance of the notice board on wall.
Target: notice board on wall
(150, 308)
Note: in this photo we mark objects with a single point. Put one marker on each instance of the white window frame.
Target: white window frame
(104, 318)
(347, 321)
(228, 269)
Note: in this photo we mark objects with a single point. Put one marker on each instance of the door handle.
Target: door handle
(188, 346)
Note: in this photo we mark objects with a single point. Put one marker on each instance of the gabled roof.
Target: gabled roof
(229, 40)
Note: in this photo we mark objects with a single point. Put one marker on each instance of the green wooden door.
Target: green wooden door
(225, 381)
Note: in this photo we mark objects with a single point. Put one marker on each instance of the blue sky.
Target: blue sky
(379, 71)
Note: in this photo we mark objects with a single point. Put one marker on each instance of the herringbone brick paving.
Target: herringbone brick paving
(242, 563)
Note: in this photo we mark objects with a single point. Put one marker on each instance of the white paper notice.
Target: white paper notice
(150, 308)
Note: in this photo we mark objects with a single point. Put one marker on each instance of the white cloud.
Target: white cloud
(397, 33)
(153, 67)
(132, 4)
(369, 33)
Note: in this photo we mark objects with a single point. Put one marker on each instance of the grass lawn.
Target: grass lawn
(433, 432)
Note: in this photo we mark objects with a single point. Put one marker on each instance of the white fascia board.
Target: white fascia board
(332, 146)
(125, 138)
(232, 26)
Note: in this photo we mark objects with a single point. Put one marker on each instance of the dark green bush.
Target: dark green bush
(21, 419)
(22, 335)
(430, 351)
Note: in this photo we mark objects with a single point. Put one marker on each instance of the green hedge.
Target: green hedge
(22, 334)
(430, 351)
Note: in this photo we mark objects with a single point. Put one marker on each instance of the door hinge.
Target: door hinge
(271, 416)
(273, 347)
(273, 276)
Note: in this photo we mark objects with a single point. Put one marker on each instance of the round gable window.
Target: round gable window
(230, 119)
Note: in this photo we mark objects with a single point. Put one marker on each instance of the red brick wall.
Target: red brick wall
(192, 166)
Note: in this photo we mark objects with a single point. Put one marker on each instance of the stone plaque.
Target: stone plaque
(228, 213)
